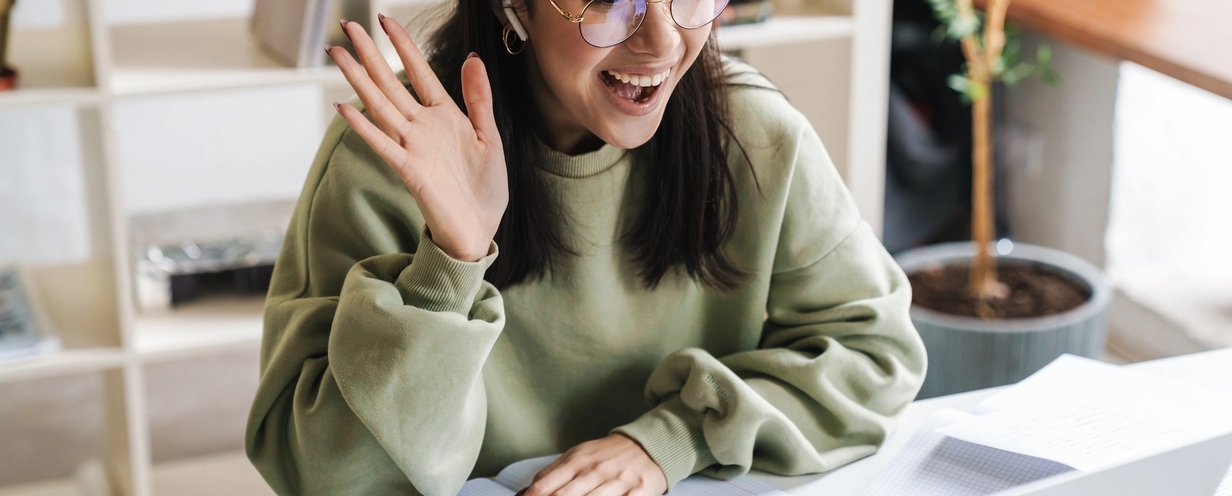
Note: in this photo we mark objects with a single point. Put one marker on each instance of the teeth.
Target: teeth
(652, 80)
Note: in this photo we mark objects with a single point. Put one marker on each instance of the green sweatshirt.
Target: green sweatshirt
(390, 368)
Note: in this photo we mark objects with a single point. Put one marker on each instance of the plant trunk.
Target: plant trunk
(983, 283)
(6, 6)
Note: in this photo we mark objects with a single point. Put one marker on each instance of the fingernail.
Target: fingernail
(327, 49)
(472, 55)
(380, 16)
(338, 106)
(344, 22)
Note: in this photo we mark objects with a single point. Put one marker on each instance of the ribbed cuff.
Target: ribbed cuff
(436, 282)
(671, 434)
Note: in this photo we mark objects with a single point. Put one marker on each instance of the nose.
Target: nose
(659, 34)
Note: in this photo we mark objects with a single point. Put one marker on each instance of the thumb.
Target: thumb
(477, 93)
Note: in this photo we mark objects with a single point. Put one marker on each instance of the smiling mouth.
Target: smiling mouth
(634, 88)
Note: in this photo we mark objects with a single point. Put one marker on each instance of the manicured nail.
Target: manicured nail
(344, 22)
(338, 106)
(327, 49)
(472, 55)
(380, 16)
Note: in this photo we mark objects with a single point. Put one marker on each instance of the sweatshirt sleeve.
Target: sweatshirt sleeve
(839, 359)
(374, 342)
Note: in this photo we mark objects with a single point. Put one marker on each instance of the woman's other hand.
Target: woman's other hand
(454, 165)
(611, 466)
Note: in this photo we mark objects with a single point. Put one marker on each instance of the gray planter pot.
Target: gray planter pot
(967, 353)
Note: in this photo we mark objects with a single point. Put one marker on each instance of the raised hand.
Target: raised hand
(454, 165)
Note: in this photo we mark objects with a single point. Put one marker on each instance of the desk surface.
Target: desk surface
(1212, 369)
(1189, 40)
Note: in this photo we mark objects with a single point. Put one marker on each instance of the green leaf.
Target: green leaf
(1043, 54)
(1043, 63)
(956, 25)
(959, 82)
(970, 91)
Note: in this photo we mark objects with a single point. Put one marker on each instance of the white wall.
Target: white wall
(48, 13)
(39, 13)
(217, 148)
(42, 187)
(1172, 185)
(135, 11)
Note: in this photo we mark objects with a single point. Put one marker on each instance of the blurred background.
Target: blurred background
(151, 153)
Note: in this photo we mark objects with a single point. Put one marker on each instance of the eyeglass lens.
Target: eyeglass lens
(609, 22)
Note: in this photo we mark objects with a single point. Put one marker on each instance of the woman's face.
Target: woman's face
(579, 89)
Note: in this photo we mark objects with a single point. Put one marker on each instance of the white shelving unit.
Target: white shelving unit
(92, 66)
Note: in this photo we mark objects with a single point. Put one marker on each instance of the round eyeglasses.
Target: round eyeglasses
(607, 23)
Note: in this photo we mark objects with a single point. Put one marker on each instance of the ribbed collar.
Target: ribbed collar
(579, 166)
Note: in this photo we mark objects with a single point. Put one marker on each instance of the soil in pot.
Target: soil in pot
(1035, 290)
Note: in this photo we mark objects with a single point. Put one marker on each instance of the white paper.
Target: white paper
(1225, 487)
(931, 464)
(518, 475)
(1090, 415)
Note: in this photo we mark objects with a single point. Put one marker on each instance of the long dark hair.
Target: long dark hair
(693, 210)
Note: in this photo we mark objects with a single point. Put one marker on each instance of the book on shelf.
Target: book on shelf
(24, 327)
(292, 32)
(746, 12)
(519, 475)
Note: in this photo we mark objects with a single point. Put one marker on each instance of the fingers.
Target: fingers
(477, 93)
(611, 488)
(423, 79)
(387, 117)
(582, 485)
(384, 146)
(378, 69)
(551, 479)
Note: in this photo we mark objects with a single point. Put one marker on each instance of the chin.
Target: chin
(630, 135)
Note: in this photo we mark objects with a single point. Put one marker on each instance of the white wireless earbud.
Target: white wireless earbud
(513, 19)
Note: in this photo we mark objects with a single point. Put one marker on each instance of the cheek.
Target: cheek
(568, 63)
(695, 40)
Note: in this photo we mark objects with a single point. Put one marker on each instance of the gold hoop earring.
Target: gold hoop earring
(505, 38)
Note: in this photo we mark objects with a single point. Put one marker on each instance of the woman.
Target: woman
(683, 284)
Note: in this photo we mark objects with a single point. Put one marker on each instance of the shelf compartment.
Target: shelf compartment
(55, 66)
(785, 30)
(65, 362)
(203, 55)
(224, 473)
(210, 326)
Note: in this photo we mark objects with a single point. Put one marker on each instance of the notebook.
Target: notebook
(932, 463)
(518, 476)
(23, 324)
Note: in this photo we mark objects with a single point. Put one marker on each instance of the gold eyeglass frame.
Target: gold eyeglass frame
(577, 19)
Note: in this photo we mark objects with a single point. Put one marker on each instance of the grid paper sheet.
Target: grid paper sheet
(484, 487)
(934, 464)
(520, 474)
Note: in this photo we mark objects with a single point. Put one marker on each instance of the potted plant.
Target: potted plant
(8, 76)
(991, 320)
